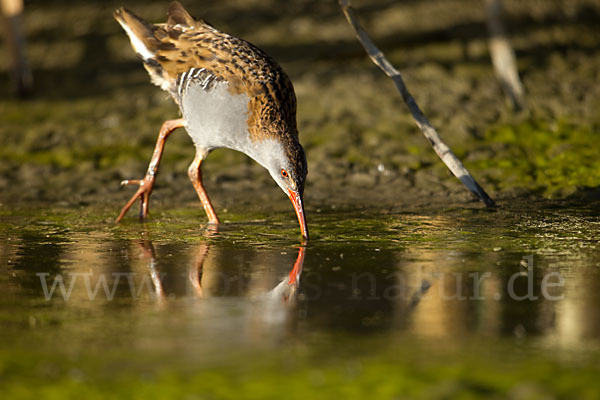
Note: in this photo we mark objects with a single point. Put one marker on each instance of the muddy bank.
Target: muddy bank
(94, 117)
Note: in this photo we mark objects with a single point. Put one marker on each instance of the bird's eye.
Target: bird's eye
(284, 173)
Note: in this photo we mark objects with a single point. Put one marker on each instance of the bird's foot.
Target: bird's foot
(143, 193)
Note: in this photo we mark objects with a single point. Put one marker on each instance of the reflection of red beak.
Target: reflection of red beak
(296, 199)
(297, 270)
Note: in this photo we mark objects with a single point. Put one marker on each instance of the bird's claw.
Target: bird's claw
(143, 193)
(127, 182)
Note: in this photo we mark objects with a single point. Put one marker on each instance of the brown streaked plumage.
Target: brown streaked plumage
(231, 94)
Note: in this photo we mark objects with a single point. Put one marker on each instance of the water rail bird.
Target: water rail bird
(231, 95)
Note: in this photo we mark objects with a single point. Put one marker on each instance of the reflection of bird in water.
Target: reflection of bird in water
(231, 95)
(215, 281)
(149, 253)
(287, 288)
(273, 303)
(249, 300)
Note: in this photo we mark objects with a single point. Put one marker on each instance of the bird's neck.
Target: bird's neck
(268, 152)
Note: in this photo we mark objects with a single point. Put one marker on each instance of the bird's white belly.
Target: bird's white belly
(216, 117)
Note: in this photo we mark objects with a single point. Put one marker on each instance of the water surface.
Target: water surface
(80, 295)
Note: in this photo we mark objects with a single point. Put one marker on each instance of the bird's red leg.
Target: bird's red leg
(147, 183)
(195, 174)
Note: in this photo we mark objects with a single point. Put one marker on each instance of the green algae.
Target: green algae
(297, 374)
(554, 159)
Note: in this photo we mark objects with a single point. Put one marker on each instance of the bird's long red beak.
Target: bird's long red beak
(296, 199)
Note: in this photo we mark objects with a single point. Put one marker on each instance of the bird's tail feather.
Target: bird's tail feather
(145, 40)
(153, 42)
(141, 33)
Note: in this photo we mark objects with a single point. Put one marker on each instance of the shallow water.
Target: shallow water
(451, 274)
(75, 285)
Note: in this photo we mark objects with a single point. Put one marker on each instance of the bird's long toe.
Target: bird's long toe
(143, 193)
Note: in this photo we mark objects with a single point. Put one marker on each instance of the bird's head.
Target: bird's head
(287, 165)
